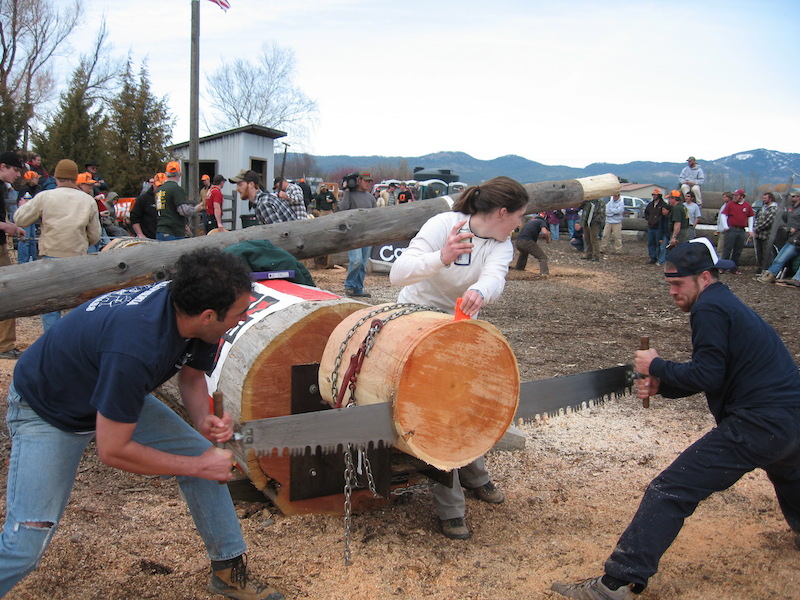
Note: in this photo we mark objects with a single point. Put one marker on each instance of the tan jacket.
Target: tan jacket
(70, 221)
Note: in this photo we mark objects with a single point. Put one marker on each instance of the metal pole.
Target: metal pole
(193, 173)
(283, 164)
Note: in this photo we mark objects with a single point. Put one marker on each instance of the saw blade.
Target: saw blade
(367, 426)
(371, 426)
(549, 397)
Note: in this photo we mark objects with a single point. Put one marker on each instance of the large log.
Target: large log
(48, 285)
(424, 364)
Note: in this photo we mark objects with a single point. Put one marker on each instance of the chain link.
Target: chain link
(350, 479)
(349, 482)
(410, 489)
(402, 310)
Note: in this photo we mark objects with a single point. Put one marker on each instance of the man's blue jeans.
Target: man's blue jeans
(766, 438)
(41, 473)
(357, 269)
(167, 237)
(656, 245)
(27, 246)
(787, 253)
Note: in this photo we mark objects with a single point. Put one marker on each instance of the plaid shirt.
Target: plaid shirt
(296, 200)
(764, 220)
(271, 209)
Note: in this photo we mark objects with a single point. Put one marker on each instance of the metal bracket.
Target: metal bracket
(317, 474)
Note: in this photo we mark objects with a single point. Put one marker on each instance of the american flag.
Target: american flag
(223, 4)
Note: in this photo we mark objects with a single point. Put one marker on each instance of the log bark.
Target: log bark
(56, 284)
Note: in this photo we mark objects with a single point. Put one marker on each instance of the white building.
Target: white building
(228, 152)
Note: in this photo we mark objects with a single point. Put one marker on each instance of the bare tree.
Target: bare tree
(101, 70)
(262, 93)
(77, 127)
(32, 32)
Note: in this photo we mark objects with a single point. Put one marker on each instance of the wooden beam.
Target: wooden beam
(55, 284)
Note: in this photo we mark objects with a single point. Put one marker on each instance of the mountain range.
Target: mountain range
(748, 170)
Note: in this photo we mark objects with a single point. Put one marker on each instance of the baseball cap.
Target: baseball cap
(159, 178)
(31, 175)
(91, 163)
(12, 159)
(85, 178)
(246, 175)
(173, 167)
(365, 175)
(690, 158)
(694, 257)
(675, 194)
(656, 191)
(205, 178)
(739, 192)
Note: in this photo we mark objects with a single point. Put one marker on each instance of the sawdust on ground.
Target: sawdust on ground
(570, 493)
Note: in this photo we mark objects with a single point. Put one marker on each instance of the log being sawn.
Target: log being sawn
(49, 285)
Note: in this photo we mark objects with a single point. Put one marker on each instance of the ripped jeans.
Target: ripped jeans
(41, 473)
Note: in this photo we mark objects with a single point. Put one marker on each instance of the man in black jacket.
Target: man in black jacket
(755, 402)
(657, 227)
(144, 215)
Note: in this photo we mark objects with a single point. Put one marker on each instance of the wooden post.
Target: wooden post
(69, 282)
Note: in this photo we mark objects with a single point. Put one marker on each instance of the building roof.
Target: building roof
(630, 187)
(252, 129)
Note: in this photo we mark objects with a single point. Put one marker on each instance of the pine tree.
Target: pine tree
(11, 120)
(139, 130)
(75, 131)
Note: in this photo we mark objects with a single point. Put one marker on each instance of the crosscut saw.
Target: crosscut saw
(370, 426)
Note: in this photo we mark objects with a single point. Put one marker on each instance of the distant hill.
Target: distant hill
(745, 169)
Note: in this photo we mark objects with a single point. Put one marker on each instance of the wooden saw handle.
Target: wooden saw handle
(218, 412)
(218, 409)
(644, 344)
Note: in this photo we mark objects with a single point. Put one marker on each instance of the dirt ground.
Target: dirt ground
(570, 492)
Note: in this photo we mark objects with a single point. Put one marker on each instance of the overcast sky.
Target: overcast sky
(561, 83)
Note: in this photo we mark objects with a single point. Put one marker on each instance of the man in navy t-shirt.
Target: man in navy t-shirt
(753, 389)
(91, 376)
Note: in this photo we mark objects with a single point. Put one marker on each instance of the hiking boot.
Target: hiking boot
(592, 589)
(766, 277)
(229, 578)
(488, 492)
(355, 294)
(455, 529)
(14, 353)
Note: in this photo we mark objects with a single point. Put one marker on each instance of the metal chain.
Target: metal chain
(370, 478)
(350, 479)
(349, 482)
(402, 310)
(410, 489)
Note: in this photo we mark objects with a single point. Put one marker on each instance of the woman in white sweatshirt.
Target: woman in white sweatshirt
(463, 254)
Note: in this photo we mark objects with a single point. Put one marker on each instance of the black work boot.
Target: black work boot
(229, 578)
